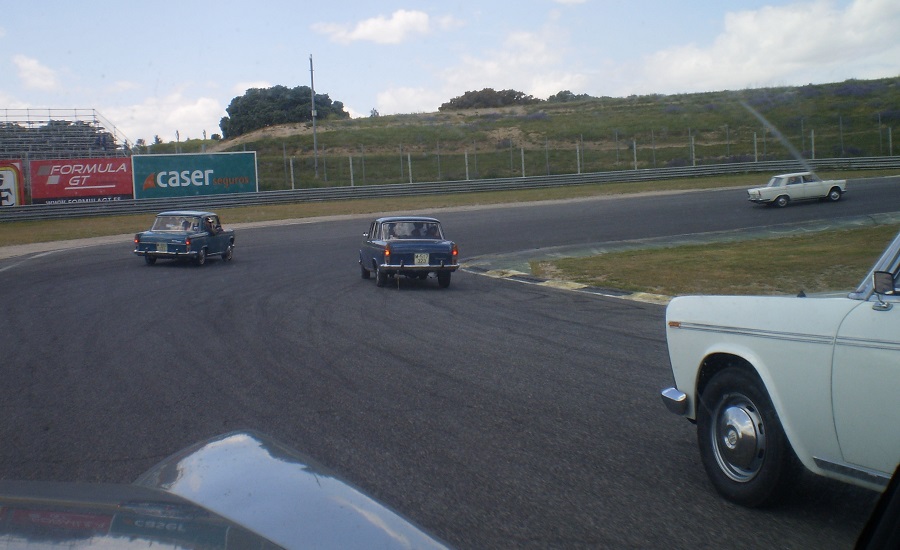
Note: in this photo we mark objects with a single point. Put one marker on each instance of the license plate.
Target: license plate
(421, 259)
(162, 247)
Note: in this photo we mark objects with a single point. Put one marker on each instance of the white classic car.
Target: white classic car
(775, 382)
(784, 188)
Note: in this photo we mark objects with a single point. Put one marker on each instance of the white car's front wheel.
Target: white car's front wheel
(742, 444)
(834, 195)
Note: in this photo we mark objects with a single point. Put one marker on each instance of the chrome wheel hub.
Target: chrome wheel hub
(739, 439)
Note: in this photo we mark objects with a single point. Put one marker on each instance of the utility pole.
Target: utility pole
(312, 94)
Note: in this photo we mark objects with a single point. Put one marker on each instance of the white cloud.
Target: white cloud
(34, 75)
(409, 100)
(529, 62)
(10, 102)
(175, 112)
(402, 25)
(786, 45)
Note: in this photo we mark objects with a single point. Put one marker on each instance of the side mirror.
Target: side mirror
(883, 282)
(883, 285)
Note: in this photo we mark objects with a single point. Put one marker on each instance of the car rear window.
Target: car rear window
(175, 223)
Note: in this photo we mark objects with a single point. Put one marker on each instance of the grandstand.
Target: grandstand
(34, 134)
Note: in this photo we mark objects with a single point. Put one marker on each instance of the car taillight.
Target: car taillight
(387, 253)
(137, 239)
(187, 243)
(454, 252)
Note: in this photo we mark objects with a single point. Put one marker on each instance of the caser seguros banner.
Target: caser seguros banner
(194, 174)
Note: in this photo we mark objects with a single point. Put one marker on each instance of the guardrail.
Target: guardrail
(213, 202)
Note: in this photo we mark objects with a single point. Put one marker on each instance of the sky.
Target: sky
(170, 68)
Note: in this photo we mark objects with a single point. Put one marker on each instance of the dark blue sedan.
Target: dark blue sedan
(411, 246)
(185, 234)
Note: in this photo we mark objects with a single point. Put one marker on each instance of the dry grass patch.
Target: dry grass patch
(822, 262)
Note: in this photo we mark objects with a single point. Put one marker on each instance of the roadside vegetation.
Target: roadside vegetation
(493, 134)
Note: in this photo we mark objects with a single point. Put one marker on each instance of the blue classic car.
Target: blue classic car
(413, 246)
(185, 234)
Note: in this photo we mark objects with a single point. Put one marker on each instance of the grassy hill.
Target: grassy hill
(847, 119)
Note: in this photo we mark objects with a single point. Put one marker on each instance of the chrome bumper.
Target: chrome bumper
(191, 254)
(419, 267)
(674, 400)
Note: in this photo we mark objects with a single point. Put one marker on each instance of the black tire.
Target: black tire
(201, 257)
(834, 195)
(228, 253)
(742, 444)
(363, 272)
(150, 259)
(443, 278)
(782, 201)
(380, 277)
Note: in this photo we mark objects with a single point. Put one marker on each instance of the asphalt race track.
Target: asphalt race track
(495, 414)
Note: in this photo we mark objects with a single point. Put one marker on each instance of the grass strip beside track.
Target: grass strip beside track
(828, 261)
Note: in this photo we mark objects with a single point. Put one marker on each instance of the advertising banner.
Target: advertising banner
(11, 183)
(195, 174)
(81, 180)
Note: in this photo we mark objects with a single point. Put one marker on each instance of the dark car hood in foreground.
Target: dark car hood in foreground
(238, 490)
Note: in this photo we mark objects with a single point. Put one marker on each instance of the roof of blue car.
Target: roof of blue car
(186, 213)
(406, 219)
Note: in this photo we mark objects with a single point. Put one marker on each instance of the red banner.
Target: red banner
(81, 180)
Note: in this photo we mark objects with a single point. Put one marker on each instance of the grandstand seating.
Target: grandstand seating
(34, 134)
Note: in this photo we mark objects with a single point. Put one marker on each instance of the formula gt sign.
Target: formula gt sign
(81, 180)
(190, 175)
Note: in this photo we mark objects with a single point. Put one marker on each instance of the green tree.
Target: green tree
(488, 97)
(565, 96)
(262, 107)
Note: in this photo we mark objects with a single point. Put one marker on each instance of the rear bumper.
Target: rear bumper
(402, 268)
(166, 255)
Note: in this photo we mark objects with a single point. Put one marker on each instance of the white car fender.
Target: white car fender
(801, 419)
(788, 341)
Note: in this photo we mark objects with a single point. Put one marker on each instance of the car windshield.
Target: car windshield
(411, 230)
(175, 223)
